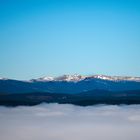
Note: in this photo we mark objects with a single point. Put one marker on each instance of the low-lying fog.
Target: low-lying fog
(69, 122)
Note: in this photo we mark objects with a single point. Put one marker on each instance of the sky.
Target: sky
(55, 37)
(69, 122)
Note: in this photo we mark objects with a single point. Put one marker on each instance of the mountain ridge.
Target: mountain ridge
(77, 77)
(70, 84)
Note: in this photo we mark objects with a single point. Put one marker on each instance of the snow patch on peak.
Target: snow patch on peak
(69, 78)
(46, 78)
(118, 78)
(104, 77)
(77, 78)
(3, 78)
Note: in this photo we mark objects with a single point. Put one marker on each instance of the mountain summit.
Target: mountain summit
(67, 78)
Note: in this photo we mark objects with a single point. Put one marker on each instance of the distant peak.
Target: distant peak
(77, 78)
(117, 78)
(65, 77)
(46, 78)
(104, 77)
(1, 78)
(74, 77)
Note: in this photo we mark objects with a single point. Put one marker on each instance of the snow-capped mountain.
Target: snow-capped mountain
(46, 78)
(77, 78)
(70, 84)
(68, 78)
(1, 78)
(116, 78)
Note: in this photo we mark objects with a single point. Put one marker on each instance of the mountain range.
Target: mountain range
(70, 84)
(74, 89)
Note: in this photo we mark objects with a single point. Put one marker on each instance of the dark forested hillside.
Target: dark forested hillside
(83, 99)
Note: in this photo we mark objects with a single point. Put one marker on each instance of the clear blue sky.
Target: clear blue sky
(55, 37)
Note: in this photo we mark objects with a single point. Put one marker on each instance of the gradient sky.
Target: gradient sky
(55, 37)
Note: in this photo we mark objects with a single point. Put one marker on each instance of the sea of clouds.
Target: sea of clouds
(69, 122)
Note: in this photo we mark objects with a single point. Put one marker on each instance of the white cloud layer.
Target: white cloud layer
(69, 122)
